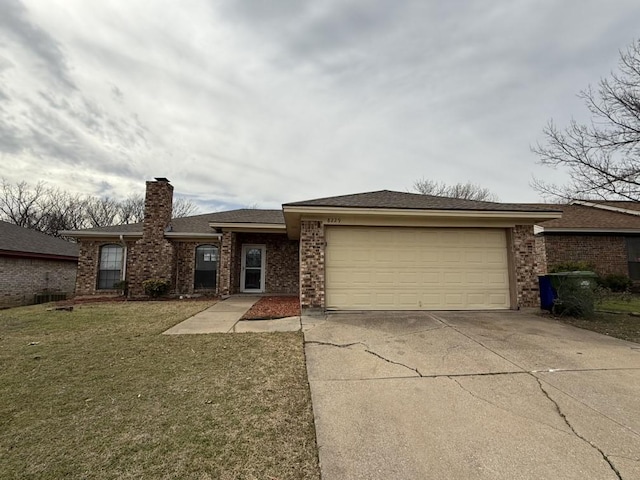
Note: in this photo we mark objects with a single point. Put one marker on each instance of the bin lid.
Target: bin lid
(580, 273)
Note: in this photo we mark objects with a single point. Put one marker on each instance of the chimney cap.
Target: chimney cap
(162, 179)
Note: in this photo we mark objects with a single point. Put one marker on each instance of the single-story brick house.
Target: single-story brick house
(379, 250)
(605, 234)
(32, 263)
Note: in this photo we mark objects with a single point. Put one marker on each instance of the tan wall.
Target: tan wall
(22, 278)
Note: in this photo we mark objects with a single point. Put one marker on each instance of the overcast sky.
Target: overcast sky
(262, 102)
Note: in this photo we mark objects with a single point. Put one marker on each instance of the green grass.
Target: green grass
(99, 393)
(620, 303)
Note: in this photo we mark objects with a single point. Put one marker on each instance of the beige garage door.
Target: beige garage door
(379, 268)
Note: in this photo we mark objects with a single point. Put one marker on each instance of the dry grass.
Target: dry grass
(621, 326)
(98, 393)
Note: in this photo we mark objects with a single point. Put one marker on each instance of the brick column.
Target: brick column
(225, 265)
(526, 268)
(312, 243)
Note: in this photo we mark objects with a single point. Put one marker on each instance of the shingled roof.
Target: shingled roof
(415, 201)
(592, 218)
(17, 240)
(200, 223)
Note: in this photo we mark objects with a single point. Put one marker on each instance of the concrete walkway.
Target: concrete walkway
(224, 317)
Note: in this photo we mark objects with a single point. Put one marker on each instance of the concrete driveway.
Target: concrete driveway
(505, 395)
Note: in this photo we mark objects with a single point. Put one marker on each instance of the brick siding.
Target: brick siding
(185, 254)
(282, 267)
(312, 245)
(227, 253)
(525, 258)
(22, 278)
(150, 257)
(607, 253)
(541, 255)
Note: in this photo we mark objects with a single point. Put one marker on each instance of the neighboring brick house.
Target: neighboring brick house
(369, 251)
(34, 264)
(605, 234)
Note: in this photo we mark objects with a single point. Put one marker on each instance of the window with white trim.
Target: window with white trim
(110, 270)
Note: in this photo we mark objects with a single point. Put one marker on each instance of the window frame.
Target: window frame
(109, 276)
(633, 264)
(199, 273)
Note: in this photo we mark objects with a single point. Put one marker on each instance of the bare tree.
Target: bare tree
(24, 205)
(102, 212)
(603, 156)
(50, 210)
(132, 209)
(467, 191)
(183, 207)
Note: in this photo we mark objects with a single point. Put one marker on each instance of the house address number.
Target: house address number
(333, 220)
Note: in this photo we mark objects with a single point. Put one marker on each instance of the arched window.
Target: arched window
(110, 270)
(206, 267)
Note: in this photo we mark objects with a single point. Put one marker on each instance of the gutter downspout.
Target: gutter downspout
(124, 257)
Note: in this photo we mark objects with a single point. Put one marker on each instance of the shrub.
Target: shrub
(571, 266)
(576, 297)
(156, 287)
(123, 286)
(616, 282)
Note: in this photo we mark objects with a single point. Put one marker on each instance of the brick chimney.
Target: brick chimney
(152, 257)
(158, 204)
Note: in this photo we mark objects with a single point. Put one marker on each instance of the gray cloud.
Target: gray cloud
(14, 23)
(264, 102)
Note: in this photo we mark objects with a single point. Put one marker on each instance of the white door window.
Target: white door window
(253, 269)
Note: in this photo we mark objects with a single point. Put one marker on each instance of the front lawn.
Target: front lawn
(620, 303)
(99, 393)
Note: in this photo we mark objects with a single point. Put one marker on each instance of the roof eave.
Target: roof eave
(537, 214)
(43, 256)
(294, 213)
(249, 227)
(96, 234)
(193, 235)
(590, 230)
(610, 208)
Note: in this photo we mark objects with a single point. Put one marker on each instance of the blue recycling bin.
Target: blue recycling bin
(548, 294)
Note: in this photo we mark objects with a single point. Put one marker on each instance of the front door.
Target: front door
(252, 275)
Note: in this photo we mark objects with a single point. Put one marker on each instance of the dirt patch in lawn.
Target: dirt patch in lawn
(620, 325)
(274, 307)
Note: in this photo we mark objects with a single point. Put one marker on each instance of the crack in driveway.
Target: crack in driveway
(520, 371)
(451, 377)
(394, 363)
(566, 421)
(338, 345)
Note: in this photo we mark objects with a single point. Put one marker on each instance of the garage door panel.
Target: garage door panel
(416, 268)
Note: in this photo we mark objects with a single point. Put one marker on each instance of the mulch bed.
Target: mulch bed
(274, 307)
